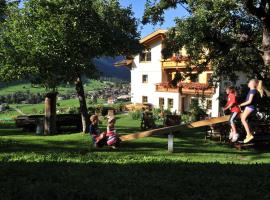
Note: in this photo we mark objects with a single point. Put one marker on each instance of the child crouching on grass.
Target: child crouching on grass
(235, 110)
(113, 139)
(99, 139)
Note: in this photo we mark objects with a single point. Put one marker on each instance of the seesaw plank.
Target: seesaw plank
(207, 122)
(165, 130)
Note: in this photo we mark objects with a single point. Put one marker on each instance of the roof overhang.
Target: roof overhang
(157, 35)
(124, 63)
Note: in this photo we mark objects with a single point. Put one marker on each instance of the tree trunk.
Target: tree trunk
(266, 42)
(50, 113)
(83, 106)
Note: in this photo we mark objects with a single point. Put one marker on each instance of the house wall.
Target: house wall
(203, 77)
(167, 95)
(156, 75)
(215, 111)
(152, 69)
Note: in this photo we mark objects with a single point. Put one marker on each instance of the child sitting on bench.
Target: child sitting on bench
(111, 135)
(250, 104)
(99, 139)
(235, 110)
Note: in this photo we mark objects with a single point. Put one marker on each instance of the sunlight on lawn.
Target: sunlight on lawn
(76, 147)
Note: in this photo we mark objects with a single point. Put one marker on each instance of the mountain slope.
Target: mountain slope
(105, 66)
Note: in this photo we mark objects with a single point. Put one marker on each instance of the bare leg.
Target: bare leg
(244, 117)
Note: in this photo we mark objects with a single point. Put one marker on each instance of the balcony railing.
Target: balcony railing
(175, 62)
(186, 88)
(166, 87)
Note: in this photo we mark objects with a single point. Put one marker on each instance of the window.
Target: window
(144, 78)
(194, 101)
(170, 103)
(183, 99)
(209, 75)
(208, 104)
(144, 99)
(194, 78)
(161, 102)
(145, 56)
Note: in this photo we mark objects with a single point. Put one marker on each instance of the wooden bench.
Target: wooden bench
(30, 122)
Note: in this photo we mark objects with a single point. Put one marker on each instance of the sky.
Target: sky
(138, 9)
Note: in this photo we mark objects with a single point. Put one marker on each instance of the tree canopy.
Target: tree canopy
(225, 34)
(54, 41)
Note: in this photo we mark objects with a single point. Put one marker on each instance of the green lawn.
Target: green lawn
(91, 85)
(66, 167)
(30, 109)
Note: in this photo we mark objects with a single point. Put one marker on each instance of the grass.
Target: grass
(91, 85)
(66, 167)
(5, 89)
(29, 109)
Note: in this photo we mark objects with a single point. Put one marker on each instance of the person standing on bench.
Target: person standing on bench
(250, 104)
(235, 110)
(99, 139)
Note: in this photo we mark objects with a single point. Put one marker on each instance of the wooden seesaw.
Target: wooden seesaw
(172, 129)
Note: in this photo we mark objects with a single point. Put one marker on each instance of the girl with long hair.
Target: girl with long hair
(250, 104)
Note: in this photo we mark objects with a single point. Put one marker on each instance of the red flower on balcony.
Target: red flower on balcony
(194, 86)
(179, 58)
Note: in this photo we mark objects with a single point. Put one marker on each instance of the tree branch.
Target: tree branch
(260, 11)
(154, 12)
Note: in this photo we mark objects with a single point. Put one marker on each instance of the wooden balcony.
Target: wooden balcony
(173, 65)
(165, 87)
(191, 88)
(207, 92)
(175, 62)
(196, 88)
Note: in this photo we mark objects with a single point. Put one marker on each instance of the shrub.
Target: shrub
(105, 110)
(186, 118)
(73, 110)
(157, 114)
(98, 108)
(135, 115)
(196, 112)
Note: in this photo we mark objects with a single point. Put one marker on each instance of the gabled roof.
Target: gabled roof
(159, 34)
(153, 37)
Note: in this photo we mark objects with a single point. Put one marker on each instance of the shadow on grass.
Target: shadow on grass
(13, 131)
(188, 142)
(134, 181)
(138, 147)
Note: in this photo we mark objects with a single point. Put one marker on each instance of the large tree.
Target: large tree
(52, 42)
(232, 35)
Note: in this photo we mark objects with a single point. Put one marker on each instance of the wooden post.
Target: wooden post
(50, 113)
(40, 127)
(170, 142)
